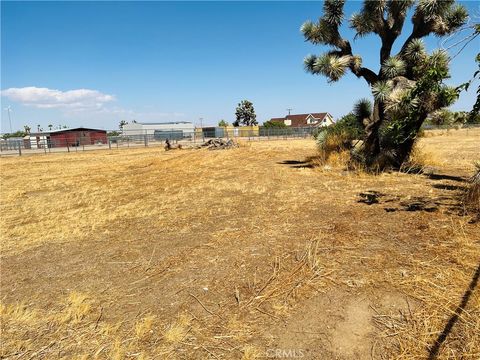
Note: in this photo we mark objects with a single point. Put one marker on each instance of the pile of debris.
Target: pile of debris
(218, 144)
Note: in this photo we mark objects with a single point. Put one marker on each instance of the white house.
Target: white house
(303, 120)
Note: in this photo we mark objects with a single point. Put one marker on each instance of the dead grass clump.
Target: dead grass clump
(117, 351)
(334, 159)
(176, 331)
(331, 143)
(250, 353)
(18, 313)
(420, 160)
(77, 308)
(472, 198)
(144, 328)
(238, 329)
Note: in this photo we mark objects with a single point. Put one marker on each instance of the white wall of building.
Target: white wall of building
(149, 128)
(37, 141)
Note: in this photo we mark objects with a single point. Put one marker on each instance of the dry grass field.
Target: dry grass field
(238, 254)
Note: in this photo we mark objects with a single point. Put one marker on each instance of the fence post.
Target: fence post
(145, 140)
(109, 144)
(19, 148)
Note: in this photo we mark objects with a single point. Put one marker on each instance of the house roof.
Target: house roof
(300, 119)
(164, 123)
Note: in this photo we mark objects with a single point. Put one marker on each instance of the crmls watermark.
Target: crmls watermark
(285, 353)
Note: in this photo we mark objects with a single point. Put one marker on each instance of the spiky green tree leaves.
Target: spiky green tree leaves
(245, 114)
(392, 67)
(409, 84)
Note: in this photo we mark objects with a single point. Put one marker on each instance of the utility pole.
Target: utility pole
(201, 122)
(9, 108)
(289, 109)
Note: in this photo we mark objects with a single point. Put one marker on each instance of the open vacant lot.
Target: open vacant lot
(243, 253)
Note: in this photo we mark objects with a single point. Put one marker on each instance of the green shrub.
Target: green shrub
(274, 124)
(339, 137)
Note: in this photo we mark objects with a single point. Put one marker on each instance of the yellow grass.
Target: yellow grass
(141, 253)
(143, 328)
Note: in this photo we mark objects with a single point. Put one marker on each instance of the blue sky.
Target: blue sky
(96, 63)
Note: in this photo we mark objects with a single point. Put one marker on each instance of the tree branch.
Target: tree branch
(369, 76)
(397, 12)
(366, 73)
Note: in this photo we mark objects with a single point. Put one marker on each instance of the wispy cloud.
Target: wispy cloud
(45, 98)
(139, 115)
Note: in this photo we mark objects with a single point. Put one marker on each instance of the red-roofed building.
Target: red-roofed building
(303, 120)
(67, 137)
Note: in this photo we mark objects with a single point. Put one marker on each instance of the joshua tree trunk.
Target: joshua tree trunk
(395, 153)
(404, 149)
(371, 148)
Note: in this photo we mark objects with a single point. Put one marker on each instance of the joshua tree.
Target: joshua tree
(245, 114)
(27, 129)
(409, 84)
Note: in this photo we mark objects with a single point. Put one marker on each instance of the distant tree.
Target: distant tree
(64, 127)
(475, 119)
(274, 124)
(474, 115)
(409, 85)
(19, 133)
(122, 124)
(222, 123)
(50, 127)
(442, 117)
(27, 129)
(446, 117)
(245, 114)
(38, 128)
(134, 121)
(113, 133)
(460, 117)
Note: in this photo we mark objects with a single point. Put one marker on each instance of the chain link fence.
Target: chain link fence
(44, 145)
(69, 143)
